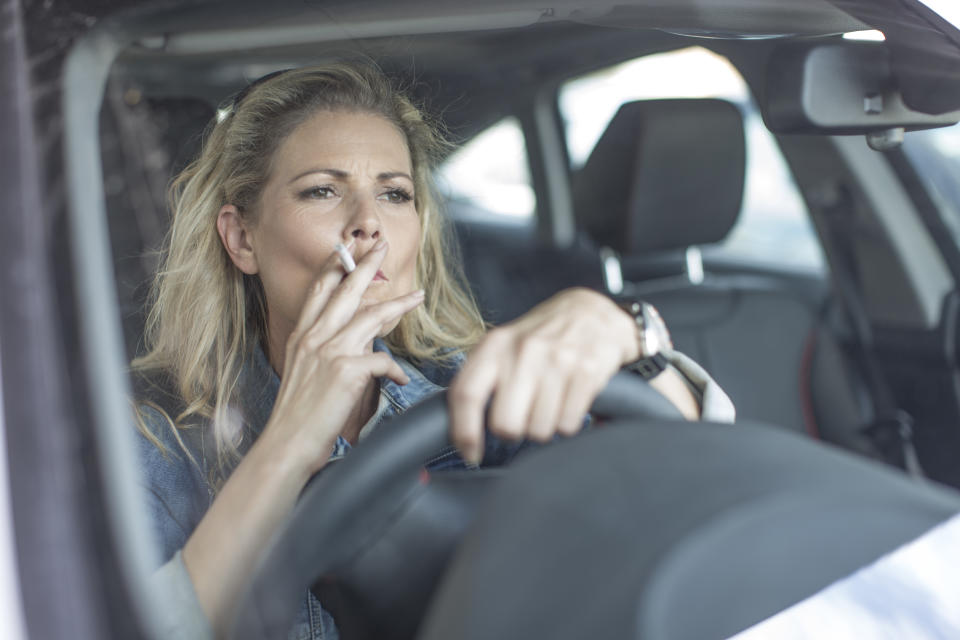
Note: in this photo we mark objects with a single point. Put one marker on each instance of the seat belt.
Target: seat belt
(891, 428)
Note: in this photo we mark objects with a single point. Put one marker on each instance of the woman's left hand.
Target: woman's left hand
(541, 371)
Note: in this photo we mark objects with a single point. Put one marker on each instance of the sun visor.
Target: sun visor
(924, 50)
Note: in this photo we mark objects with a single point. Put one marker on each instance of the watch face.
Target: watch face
(655, 336)
(651, 342)
(649, 336)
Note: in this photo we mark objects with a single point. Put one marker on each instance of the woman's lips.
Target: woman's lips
(379, 277)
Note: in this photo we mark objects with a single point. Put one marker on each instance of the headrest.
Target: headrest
(666, 174)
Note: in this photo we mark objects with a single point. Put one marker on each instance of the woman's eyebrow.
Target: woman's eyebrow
(388, 175)
(340, 174)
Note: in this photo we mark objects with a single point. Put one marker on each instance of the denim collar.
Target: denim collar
(260, 385)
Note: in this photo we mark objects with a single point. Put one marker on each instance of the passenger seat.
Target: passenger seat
(510, 270)
(666, 177)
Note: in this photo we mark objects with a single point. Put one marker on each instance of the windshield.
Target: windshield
(523, 109)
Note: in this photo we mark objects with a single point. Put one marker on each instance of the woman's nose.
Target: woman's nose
(364, 224)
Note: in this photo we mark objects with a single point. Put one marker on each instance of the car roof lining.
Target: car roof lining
(260, 38)
(285, 33)
(187, 24)
(497, 82)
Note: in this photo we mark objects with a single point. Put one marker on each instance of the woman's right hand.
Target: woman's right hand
(329, 366)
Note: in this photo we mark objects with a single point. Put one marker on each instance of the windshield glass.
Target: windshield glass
(750, 306)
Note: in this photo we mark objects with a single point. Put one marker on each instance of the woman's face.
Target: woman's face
(339, 177)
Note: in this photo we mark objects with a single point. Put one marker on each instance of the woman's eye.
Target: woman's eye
(317, 193)
(397, 196)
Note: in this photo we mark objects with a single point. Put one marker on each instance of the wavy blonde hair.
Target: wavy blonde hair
(206, 316)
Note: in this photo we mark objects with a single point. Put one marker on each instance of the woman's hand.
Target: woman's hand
(541, 371)
(329, 367)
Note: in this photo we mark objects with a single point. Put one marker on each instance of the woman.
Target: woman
(266, 359)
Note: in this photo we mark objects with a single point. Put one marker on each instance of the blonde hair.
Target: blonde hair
(206, 316)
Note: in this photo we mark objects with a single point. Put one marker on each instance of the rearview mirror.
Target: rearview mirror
(840, 88)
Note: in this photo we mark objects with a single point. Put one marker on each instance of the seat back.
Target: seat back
(665, 174)
(510, 270)
(668, 175)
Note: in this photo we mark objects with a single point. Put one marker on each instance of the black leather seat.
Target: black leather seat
(668, 175)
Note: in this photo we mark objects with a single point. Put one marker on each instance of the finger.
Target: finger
(467, 399)
(381, 365)
(360, 278)
(578, 395)
(545, 414)
(331, 273)
(346, 298)
(370, 321)
(511, 405)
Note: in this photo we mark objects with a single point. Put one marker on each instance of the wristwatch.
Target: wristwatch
(652, 335)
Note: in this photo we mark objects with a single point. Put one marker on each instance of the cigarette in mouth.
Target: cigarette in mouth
(345, 258)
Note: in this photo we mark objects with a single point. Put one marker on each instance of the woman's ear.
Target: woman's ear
(235, 237)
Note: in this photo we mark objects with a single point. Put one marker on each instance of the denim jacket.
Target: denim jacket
(178, 493)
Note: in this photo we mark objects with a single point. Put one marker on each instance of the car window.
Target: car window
(488, 178)
(774, 227)
(935, 153)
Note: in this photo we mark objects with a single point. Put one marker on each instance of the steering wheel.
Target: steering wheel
(346, 513)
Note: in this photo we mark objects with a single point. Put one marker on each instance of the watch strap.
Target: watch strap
(652, 333)
(650, 367)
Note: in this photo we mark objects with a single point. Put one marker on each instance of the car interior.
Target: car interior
(664, 184)
(832, 361)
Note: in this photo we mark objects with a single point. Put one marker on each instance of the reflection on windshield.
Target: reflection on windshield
(910, 593)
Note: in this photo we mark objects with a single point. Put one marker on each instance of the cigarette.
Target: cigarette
(345, 258)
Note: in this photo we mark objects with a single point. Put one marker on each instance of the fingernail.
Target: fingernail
(419, 293)
(380, 245)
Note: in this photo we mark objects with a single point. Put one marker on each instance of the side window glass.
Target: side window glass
(774, 227)
(935, 154)
(488, 178)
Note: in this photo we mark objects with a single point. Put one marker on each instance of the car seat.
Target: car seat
(666, 177)
(510, 270)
